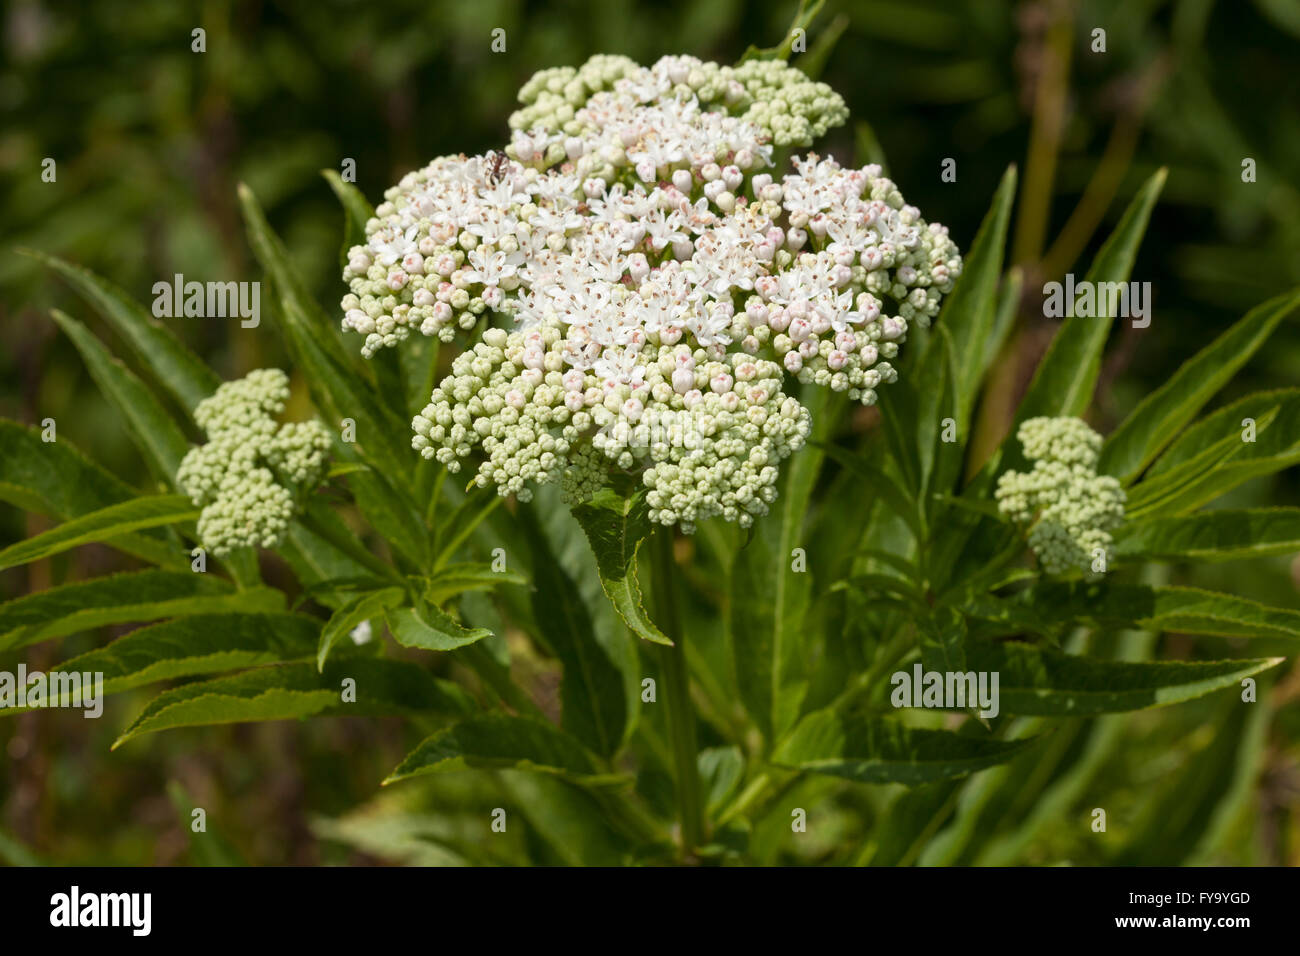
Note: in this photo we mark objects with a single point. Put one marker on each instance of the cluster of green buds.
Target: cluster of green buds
(774, 96)
(250, 473)
(1068, 508)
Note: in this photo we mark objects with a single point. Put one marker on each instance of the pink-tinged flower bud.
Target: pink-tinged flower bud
(870, 308)
(593, 188)
(733, 177)
(721, 383)
(846, 341)
(872, 259)
(413, 263)
(798, 309)
(779, 320)
(573, 380)
(683, 180)
(573, 401)
(645, 170)
(809, 348)
(891, 328)
(750, 345)
(800, 329)
(836, 360)
(574, 147)
(692, 398)
(515, 398)
(757, 313)
(423, 298)
(760, 181)
(442, 312)
(766, 286)
(818, 225)
(793, 362)
(637, 266)
(684, 359)
(730, 401)
(445, 265)
(683, 248)
(397, 280)
(710, 172)
(670, 335)
(841, 275)
(524, 149)
(683, 380)
(714, 189)
(533, 358)
(359, 264)
(745, 159)
(531, 376)
(493, 297)
(427, 246)
(757, 395)
(869, 354)
(746, 371)
(632, 409)
(795, 238)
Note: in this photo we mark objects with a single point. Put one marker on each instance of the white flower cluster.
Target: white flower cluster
(236, 478)
(1072, 509)
(628, 227)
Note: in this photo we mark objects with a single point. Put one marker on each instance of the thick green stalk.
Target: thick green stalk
(677, 693)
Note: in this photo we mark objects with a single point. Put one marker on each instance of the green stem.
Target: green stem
(677, 691)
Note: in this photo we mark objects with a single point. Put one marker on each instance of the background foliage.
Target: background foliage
(151, 140)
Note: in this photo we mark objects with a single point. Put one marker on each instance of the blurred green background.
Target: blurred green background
(150, 139)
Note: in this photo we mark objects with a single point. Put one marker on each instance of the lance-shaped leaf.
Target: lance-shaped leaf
(1276, 446)
(359, 607)
(467, 576)
(337, 387)
(593, 707)
(53, 478)
(1229, 422)
(122, 598)
(198, 644)
(879, 750)
(770, 600)
(1064, 381)
(1159, 416)
(496, 741)
(431, 628)
(1225, 535)
(1189, 610)
(178, 369)
(969, 311)
(1033, 680)
(383, 688)
(616, 526)
(102, 525)
(150, 427)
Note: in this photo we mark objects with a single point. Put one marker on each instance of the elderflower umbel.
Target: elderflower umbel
(654, 281)
(239, 477)
(1071, 508)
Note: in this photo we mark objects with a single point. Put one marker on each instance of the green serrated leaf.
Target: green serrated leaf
(496, 741)
(357, 608)
(431, 629)
(1225, 535)
(1190, 610)
(122, 598)
(198, 644)
(1159, 416)
(178, 369)
(878, 750)
(383, 688)
(151, 428)
(1043, 681)
(616, 526)
(102, 525)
